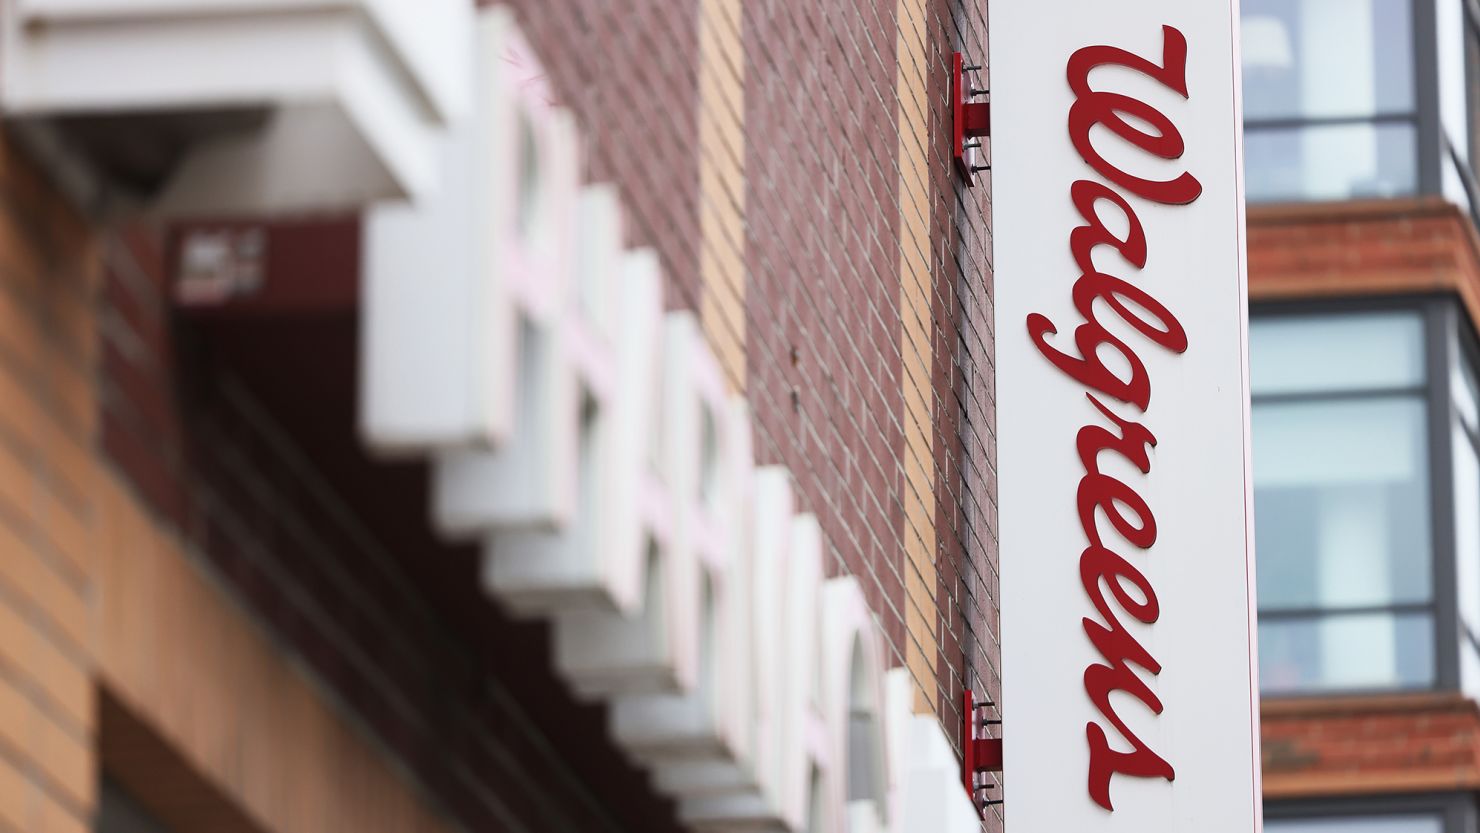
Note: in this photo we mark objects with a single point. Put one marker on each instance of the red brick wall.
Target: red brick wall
(1413, 743)
(823, 280)
(965, 438)
(629, 73)
(821, 254)
(1355, 249)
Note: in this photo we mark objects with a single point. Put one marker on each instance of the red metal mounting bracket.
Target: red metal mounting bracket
(980, 754)
(970, 121)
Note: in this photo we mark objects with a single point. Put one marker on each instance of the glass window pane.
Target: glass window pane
(1319, 58)
(1356, 651)
(1332, 162)
(1466, 393)
(1306, 354)
(1467, 526)
(1469, 668)
(1450, 56)
(1357, 824)
(1472, 95)
(1465, 424)
(1341, 502)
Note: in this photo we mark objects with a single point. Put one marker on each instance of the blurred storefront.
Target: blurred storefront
(428, 417)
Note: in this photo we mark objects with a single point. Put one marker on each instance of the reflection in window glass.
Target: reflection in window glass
(1467, 523)
(1450, 57)
(1342, 507)
(1331, 162)
(1467, 550)
(1466, 395)
(1469, 670)
(1308, 354)
(1326, 58)
(1341, 502)
(1465, 438)
(1358, 824)
(1452, 183)
(1346, 652)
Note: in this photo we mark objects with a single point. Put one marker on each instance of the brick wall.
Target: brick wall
(205, 720)
(47, 425)
(843, 272)
(238, 431)
(1318, 746)
(1364, 248)
(1394, 744)
(823, 286)
(788, 161)
(629, 71)
(120, 646)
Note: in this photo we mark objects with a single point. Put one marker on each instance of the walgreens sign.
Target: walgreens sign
(1128, 667)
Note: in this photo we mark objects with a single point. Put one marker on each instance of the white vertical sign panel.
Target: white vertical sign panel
(1129, 676)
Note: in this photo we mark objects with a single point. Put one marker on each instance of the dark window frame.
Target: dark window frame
(1464, 342)
(1457, 810)
(1468, 172)
(1440, 315)
(1434, 147)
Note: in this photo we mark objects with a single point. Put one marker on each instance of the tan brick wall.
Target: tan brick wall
(177, 651)
(47, 423)
(916, 308)
(722, 184)
(98, 601)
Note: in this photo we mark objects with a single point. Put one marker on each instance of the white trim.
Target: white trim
(354, 92)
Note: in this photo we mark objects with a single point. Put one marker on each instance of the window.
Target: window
(1330, 110)
(1422, 813)
(1342, 501)
(1358, 824)
(1353, 99)
(1464, 427)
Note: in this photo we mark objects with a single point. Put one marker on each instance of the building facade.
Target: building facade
(1359, 133)
(402, 407)
(514, 416)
